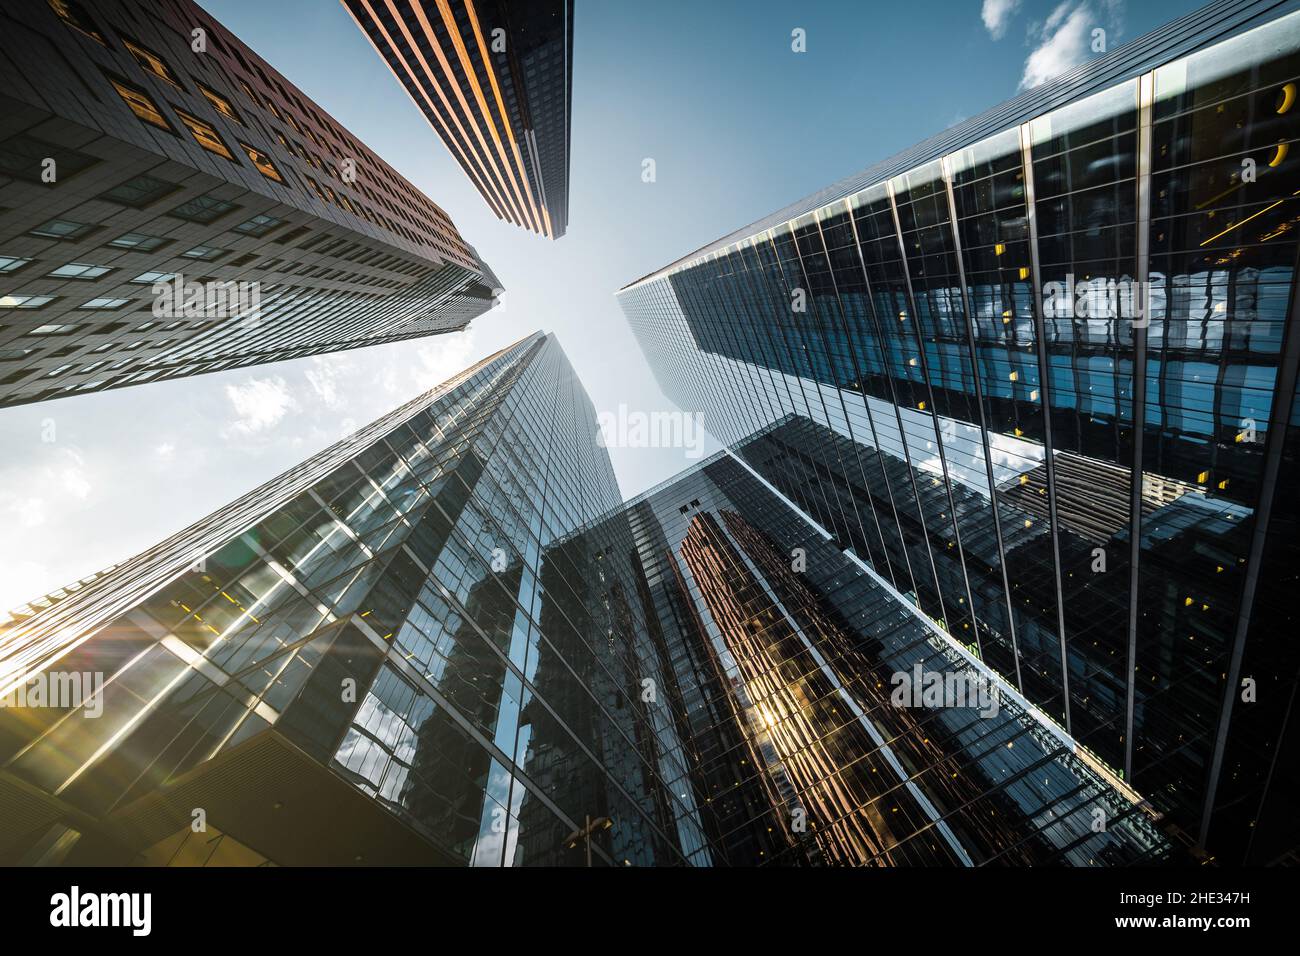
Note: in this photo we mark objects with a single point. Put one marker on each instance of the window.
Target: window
(259, 226)
(10, 263)
(104, 302)
(205, 135)
(139, 192)
(263, 162)
(202, 209)
(140, 103)
(291, 235)
(137, 241)
(149, 278)
(205, 253)
(25, 157)
(62, 229)
(151, 62)
(70, 12)
(79, 270)
(24, 301)
(53, 330)
(220, 104)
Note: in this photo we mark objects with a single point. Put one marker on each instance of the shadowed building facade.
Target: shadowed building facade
(170, 205)
(1039, 373)
(494, 79)
(444, 640)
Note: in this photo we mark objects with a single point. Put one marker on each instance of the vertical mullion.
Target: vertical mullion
(1045, 377)
(874, 320)
(934, 414)
(983, 422)
(1146, 96)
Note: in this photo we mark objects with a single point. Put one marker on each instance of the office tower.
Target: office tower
(1039, 373)
(332, 668)
(788, 657)
(171, 205)
(443, 640)
(494, 79)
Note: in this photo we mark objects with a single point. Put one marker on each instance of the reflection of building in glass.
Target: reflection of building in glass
(493, 78)
(168, 210)
(801, 650)
(1039, 373)
(444, 640)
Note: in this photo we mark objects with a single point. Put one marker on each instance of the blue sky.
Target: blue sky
(738, 125)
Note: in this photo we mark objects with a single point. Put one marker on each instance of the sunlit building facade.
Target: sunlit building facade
(445, 641)
(171, 205)
(1039, 373)
(342, 666)
(494, 79)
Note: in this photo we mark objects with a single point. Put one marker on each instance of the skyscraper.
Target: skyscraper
(373, 610)
(1039, 373)
(800, 674)
(444, 640)
(494, 80)
(171, 205)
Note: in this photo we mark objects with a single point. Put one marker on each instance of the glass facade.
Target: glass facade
(1038, 374)
(272, 233)
(779, 638)
(494, 79)
(444, 640)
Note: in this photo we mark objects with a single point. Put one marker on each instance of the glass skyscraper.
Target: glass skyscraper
(1039, 374)
(171, 205)
(444, 640)
(495, 80)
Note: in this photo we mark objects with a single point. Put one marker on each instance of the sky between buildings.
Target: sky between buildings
(738, 125)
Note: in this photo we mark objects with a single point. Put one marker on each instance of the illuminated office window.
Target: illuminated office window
(206, 135)
(141, 105)
(263, 162)
(220, 104)
(151, 62)
(74, 16)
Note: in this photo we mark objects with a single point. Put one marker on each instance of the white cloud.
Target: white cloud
(325, 377)
(1064, 42)
(29, 512)
(442, 357)
(165, 452)
(72, 473)
(260, 404)
(997, 16)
